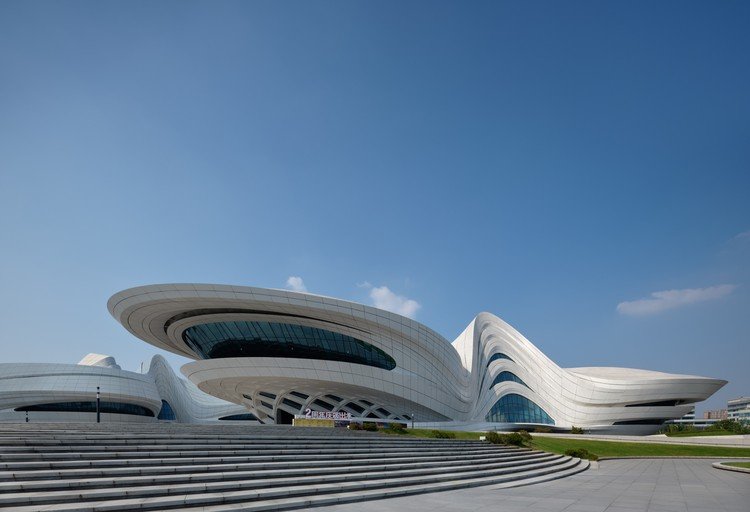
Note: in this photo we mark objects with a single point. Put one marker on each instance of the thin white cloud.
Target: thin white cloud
(382, 297)
(296, 283)
(742, 236)
(670, 299)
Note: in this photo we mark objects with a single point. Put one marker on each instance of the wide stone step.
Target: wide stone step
(226, 474)
(184, 460)
(291, 449)
(88, 467)
(160, 439)
(223, 492)
(264, 480)
(164, 468)
(419, 483)
(88, 446)
(292, 503)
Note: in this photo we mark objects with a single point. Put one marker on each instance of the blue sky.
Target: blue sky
(580, 169)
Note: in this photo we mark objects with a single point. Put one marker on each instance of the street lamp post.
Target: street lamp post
(98, 415)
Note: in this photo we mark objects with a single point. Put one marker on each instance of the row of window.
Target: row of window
(270, 339)
(352, 406)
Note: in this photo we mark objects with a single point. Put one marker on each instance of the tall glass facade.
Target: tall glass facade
(270, 339)
(507, 377)
(166, 413)
(513, 408)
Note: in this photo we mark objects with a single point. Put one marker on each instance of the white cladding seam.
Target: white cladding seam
(433, 380)
(190, 404)
(34, 384)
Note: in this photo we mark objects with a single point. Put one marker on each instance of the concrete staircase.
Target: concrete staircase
(67, 467)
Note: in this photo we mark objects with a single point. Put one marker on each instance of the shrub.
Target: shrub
(512, 439)
(671, 428)
(515, 439)
(525, 435)
(370, 426)
(397, 428)
(442, 434)
(493, 437)
(733, 426)
(543, 430)
(354, 426)
(576, 430)
(581, 453)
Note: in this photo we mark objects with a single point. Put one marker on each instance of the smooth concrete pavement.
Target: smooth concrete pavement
(628, 485)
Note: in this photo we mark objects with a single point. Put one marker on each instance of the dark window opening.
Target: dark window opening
(239, 417)
(663, 403)
(283, 417)
(354, 407)
(497, 356)
(323, 405)
(507, 377)
(104, 407)
(641, 422)
(292, 404)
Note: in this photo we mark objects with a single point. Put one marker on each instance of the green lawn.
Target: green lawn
(425, 432)
(606, 448)
(619, 449)
(697, 433)
(745, 465)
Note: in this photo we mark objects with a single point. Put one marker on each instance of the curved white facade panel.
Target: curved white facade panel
(607, 399)
(67, 392)
(189, 404)
(279, 352)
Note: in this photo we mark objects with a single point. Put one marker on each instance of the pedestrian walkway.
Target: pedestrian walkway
(628, 485)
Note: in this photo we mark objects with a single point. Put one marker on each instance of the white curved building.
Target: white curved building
(278, 352)
(50, 392)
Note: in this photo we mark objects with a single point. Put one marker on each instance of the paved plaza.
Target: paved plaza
(626, 485)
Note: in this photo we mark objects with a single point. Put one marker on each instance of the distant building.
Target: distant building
(689, 420)
(718, 414)
(739, 409)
